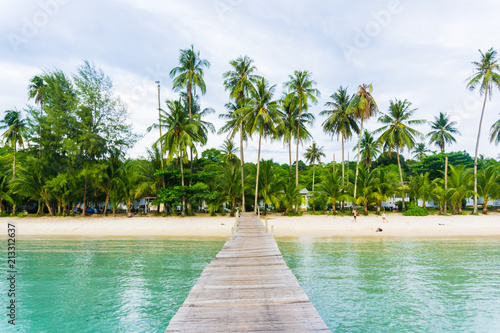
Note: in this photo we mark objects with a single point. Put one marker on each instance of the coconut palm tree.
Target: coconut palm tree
(287, 130)
(301, 87)
(4, 192)
(228, 151)
(189, 75)
(367, 188)
(362, 106)
(313, 154)
(420, 151)
(384, 186)
(460, 182)
(340, 122)
(486, 76)
(332, 187)
(495, 132)
(182, 131)
(420, 187)
(239, 81)
(442, 131)
(397, 133)
(37, 90)
(370, 148)
(488, 182)
(229, 182)
(15, 132)
(261, 116)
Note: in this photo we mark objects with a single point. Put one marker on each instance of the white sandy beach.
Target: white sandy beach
(295, 227)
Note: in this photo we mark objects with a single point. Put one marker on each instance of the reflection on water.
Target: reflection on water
(401, 285)
(104, 285)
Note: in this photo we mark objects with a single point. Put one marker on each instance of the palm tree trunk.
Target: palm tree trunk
(182, 182)
(314, 172)
(475, 155)
(445, 182)
(242, 170)
(106, 205)
(84, 198)
(357, 162)
(401, 178)
(257, 177)
(297, 155)
(290, 150)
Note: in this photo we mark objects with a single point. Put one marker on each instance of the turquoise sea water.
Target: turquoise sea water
(84, 285)
(401, 285)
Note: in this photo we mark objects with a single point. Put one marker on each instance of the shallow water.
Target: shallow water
(82, 285)
(85, 285)
(401, 285)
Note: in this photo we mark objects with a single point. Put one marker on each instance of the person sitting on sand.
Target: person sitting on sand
(354, 213)
(384, 219)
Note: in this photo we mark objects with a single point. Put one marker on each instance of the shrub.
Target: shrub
(415, 211)
(22, 214)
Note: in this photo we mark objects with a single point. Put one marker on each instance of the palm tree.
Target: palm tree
(420, 151)
(495, 132)
(289, 115)
(313, 154)
(339, 121)
(189, 75)
(486, 75)
(370, 148)
(488, 182)
(332, 187)
(269, 184)
(4, 192)
(261, 116)
(15, 132)
(397, 133)
(37, 90)
(228, 151)
(460, 182)
(239, 81)
(384, 186)
(362, 106)
(230, 183)
(290, 197)
(181, 133)
(421, 188)
(367, 188)
(301, 88)
(443, 130)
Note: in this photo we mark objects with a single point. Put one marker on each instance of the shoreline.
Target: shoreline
(302, 227)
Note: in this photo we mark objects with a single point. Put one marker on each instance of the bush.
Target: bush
(415, 211)
(22, 214)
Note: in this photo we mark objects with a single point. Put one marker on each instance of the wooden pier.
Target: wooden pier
(247, 288)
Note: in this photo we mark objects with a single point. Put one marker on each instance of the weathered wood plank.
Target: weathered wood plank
(247, 288)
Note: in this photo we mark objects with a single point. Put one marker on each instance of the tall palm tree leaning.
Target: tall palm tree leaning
(189, 75)
(397, 133)
(339, 121)
(239, 81)
(181, 132)
(313, 154)
(363, 106)
(261, 116)
(442, 134)
(301, 87)
(486, 75)
(15, 131)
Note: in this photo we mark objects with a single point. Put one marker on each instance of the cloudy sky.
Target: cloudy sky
(415, 50)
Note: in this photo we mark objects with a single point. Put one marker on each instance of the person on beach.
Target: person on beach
(354, 213)
(384, 219)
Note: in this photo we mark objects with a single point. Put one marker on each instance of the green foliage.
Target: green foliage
(414, 210)
(434, 164)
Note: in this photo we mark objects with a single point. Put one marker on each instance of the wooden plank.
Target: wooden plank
(247, 288)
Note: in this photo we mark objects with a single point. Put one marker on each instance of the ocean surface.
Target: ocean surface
(357, 285)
